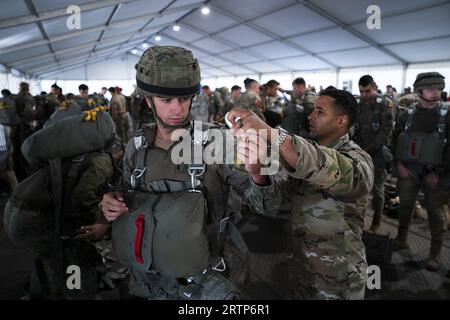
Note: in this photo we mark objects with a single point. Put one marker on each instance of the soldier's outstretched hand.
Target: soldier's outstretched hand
(113, 205)
(245, 120)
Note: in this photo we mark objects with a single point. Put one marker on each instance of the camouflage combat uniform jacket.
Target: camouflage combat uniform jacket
(371, 133)
(328, 190)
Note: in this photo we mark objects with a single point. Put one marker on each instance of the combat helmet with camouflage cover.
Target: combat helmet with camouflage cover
(429, 80)
(167, 71)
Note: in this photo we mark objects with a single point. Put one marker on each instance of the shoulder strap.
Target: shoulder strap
(199, 138)
(410, 118)
(376, 114)
(442, 111)
(56, 182)
(143, 139)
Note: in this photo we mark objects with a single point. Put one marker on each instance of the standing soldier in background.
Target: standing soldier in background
(100, 98)
(271, 103)
(251, 99)
(120, 115)
(84, 100)
(295, 115)
(422, 153)
(235, 93)
(406, 100)
(373, 128)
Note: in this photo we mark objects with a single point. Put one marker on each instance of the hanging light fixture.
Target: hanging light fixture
(145, 45)
(176, 28)
(134, 51)
(158, 37)
(205, 10)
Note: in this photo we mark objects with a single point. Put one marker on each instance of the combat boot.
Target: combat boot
(401, 242)
(433, 263)
(375, 227)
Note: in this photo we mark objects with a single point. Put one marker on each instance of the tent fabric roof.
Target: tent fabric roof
(237, 37)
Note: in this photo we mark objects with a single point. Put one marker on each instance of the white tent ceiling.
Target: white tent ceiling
(237, 37)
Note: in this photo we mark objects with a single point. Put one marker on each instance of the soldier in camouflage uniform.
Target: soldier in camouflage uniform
(373, 128)
(84, 100)
(328, 186)
(251, 99)
(295, 115)
(422, 152)
(169, 78)
(406, 100)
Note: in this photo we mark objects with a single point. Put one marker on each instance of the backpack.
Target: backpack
(33, 214)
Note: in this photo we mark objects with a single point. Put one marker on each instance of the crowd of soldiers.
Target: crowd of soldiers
(171, 222)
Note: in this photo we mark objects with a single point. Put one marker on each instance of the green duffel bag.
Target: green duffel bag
(79, 134)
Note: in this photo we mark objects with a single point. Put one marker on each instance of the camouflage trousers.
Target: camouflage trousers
(378, 195)
(435, 199)
(325, 283)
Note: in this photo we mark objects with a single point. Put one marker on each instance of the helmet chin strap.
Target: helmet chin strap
(166, 125)
(427, 100)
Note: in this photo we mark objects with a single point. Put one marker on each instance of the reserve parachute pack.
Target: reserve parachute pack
(169, 233)
(32, 215)
(419, 147)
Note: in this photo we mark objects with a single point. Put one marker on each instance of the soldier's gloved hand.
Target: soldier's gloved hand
(113, 205)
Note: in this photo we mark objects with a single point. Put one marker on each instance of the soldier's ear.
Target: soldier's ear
(343, 121)
(148, 102)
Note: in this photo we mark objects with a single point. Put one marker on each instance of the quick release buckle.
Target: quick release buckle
(195, 171)
(220, 266)
(137, 173)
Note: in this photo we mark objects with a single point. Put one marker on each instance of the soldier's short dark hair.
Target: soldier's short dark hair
(43, 93)
(272, 83)
(205, 87)
(70, 96)
(6, 92)
(366, 80)
(235, 87)
(112, 89)
(248, 82)
(345, 102)
(83, 87)
(299, 81)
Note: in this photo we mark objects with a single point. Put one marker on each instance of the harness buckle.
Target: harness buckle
(195, 171)
(137, 173)
(220, 266)
(223, 224)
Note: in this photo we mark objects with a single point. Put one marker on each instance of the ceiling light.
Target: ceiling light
(134, 51)
(205, 10)
(176, 28)
(158, 38)
(145, 45)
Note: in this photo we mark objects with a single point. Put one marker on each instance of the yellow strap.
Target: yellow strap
(91, 115)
